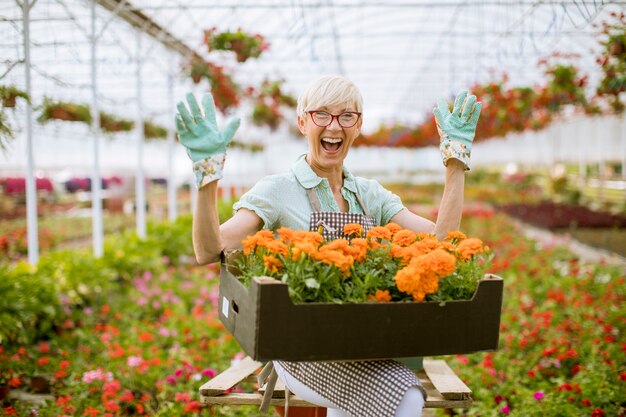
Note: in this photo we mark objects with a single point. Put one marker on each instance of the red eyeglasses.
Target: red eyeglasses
(323, 118)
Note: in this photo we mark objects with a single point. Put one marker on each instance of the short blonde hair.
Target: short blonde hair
(329, 90)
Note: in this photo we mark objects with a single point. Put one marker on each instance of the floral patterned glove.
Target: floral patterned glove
(457, 129)
(205, 144)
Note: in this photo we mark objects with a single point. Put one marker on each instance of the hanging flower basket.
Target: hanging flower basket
(154, 131)
(10, 93)
(274, 90)
(265, 114)
(244, 46)
(226, 93)
(113, 124)
(251, 147)
(65, 111)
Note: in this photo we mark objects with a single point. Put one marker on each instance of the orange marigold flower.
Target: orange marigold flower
(440, 262)
(272, 264)
(404, 237)
(285, 234)
(379, 232)
(422, 236)
(359, 247)
(338, 259)
(276, 247)
(426, 246)
(306, 236)
(469, 247)
(353, 229)
(335, 245)
(382, 296)
(455, 235)
(393, 228)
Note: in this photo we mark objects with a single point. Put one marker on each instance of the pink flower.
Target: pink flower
(178, 372)
(182, 397)
(539, 395)
(170, 379)
(97, 375)
(506, 410)
(134, 361)
(208, 372)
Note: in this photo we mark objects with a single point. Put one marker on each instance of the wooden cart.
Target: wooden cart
(444, 389)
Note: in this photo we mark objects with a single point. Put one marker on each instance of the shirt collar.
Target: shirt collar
(309, 179)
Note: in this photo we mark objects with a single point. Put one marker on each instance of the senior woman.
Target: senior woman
(320, 191)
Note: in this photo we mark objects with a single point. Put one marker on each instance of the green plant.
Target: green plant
(29, 306)
(154, 131)
(174, 238)
(110, 123)
(66, 111)
(244, 46)
(129, 255)
(6, 132)
(8, 94)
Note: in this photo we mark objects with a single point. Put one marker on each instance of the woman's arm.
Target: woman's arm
(209, 238)
(450, 208)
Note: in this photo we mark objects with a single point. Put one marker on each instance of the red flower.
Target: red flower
(597, 413)
(43, 361)
(182, 397)
(91, 412)
(586, 402)
(193, 407)
(111, 406)
(622, 376)
(15, 382)
(44, 347)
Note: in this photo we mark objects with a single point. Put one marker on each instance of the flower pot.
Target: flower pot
(302, 411)
(617, 48)
(9, 101)
(59, 114)
(39, 384)
(4, 391)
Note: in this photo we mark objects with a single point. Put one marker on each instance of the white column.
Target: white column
(140, 198)
(171, 148)
(31, 185)
(96, 192)
(623, 141)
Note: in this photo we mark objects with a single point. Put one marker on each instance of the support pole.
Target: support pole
(171, 148)
(96, 189)
(140, 198)
(31, 185)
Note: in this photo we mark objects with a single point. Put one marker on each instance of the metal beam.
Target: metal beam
(136, 18)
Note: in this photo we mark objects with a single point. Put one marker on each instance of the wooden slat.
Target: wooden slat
(445, 380)
(436, 376)
(279, 390)
(230, 377)
(237, 398)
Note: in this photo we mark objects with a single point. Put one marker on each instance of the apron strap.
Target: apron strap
(314, 199)
(360, 200)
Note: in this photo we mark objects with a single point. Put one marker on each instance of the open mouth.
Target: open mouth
(331, 144)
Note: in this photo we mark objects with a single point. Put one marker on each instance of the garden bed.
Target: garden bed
(561, 215)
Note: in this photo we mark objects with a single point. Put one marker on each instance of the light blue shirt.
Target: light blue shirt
(281, 200)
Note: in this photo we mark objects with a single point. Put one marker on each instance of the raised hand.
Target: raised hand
(457, 128)
(204, 142)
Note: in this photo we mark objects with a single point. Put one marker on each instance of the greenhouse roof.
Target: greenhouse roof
(402, 54)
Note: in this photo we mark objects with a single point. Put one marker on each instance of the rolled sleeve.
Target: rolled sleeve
(261, 200)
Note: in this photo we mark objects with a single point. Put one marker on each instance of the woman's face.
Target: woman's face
(328, 146)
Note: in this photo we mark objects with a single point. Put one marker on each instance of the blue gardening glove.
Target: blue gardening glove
(205, 144)
(457, 129)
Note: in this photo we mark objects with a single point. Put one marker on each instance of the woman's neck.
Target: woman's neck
(334, 175)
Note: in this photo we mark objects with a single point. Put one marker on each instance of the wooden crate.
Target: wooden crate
(443, 388)
(268, 326)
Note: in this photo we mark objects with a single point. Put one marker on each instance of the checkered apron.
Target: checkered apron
(361, 388)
